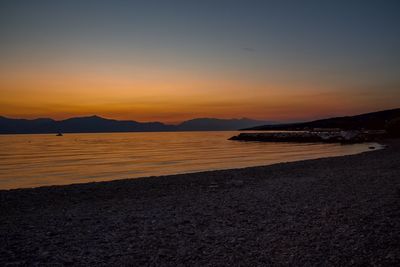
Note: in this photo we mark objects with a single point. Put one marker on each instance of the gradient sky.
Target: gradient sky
(175, 60)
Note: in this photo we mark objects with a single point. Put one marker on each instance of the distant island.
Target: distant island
(96, 124)
(368, 121)
(355, 129)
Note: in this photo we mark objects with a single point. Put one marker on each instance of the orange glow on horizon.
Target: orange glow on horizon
(169, 96)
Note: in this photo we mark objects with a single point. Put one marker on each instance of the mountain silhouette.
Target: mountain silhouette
(372, 121)
(211, 124)
(95, 124)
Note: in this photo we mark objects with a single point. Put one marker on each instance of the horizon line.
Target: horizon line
(176, 123)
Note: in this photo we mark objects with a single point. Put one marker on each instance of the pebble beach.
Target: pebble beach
(337, 211)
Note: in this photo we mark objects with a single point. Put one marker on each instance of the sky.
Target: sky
(175, 60)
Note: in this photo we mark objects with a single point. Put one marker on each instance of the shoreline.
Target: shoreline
(330, 211)
(318, 136)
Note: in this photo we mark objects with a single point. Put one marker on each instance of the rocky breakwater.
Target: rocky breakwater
(310, 136)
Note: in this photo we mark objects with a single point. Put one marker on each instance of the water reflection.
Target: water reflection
(36, 160)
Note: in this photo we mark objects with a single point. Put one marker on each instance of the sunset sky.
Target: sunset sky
(175, 60)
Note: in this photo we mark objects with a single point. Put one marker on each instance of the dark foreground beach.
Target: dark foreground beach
(333, 211)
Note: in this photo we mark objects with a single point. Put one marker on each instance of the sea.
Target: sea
(46, 159)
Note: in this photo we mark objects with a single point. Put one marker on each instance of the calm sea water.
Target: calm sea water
(38, 160)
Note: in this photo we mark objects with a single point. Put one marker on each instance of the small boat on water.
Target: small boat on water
(59, 134)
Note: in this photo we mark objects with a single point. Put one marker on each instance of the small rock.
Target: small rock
(390, 256)
(45, 253)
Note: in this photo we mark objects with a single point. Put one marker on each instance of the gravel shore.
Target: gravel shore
(334, 211)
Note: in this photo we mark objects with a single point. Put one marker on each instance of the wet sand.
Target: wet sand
(334, 211)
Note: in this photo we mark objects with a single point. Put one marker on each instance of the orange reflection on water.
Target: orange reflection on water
(38, 160)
